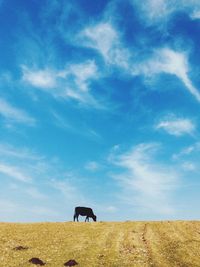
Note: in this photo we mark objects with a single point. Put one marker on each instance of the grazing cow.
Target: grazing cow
(83, 211)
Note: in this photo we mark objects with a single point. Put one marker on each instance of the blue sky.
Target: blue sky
(99, 106)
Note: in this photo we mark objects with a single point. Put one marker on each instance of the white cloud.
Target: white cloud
(72, 82)
(195, 15)
(39, 78)
(176, 126)
(7, 150)
(83, 73)
(14, 172)
(101, 37)
(187, 151)
(169, 61)
(189, 166)
(153, 10)
(146, 182)
(160, 11)
(13, 114)
(106, 40)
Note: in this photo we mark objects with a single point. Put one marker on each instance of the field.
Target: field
(114, 244)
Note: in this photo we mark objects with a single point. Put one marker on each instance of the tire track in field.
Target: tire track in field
(147, 246)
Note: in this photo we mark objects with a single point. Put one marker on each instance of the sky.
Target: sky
(99, 107)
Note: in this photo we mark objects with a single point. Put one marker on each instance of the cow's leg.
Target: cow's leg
(86, 218)
(74, 217)
(77, 218)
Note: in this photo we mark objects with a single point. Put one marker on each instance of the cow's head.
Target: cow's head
(94, 218)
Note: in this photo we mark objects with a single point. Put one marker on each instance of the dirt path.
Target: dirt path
(146, 242)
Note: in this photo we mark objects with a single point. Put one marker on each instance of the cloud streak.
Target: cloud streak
(14, 172)
(15, 115)
(39, 78)
(145, 182)
(157, 12)
(31, 177)
(106, 40)
(168, 61)
(72, 82)
(176, 126)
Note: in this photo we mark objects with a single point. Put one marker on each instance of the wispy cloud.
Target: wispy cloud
(45, 78)
(146, 182)
(160, 11)
(82, 74)
(195, 14)
(153, 10)
(62, 122)
(7, 150)
(35, 178)
(14, 172)
(72, 82)
(14, 114)
(168, 61)
(106, 40)
(188, 159)
(177, 126)
(80, 128)
(187, 151)
(189, 166)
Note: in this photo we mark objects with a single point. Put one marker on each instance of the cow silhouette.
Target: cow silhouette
(84, 211)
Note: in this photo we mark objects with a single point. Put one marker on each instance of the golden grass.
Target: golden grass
(114, 244)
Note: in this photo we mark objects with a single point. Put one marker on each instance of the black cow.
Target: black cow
(83, 211)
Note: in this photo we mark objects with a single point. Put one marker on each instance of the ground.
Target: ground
(108, 244)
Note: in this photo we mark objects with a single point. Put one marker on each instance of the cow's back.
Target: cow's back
(84, 211)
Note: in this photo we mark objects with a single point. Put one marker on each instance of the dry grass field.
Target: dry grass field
(114, 244)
